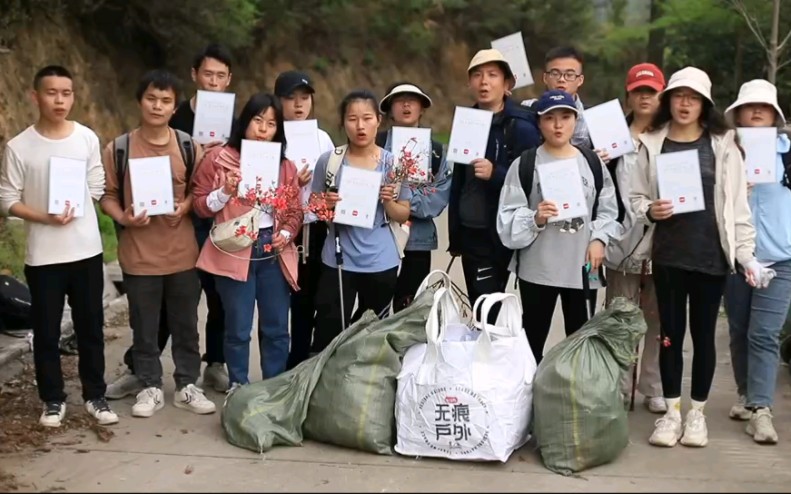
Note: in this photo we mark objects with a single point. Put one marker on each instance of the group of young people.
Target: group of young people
(499, 223)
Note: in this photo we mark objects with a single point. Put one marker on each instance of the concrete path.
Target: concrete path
(179, 451)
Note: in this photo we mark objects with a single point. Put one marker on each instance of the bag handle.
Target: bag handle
(509, 319)
(435, 329)
(427, 281)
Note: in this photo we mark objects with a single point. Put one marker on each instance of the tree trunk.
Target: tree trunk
(739, 60)
(773, 55)
(656, 37)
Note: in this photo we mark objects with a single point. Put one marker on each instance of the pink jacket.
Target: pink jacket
(209, 177)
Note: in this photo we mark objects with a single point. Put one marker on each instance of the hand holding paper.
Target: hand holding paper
(760, 149)
(152, 185)
(561, 183)
(469, 135)
(679, 181)
(67, 186)
(608, 129)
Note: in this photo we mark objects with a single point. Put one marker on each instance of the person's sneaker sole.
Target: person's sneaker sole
(742, 417)
(51, 425)
(104, 421)
(663, 445)
(760, 440)
(184, 406)
(694, 444)
(146, 414)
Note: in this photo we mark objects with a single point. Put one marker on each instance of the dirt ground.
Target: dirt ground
(20, 407)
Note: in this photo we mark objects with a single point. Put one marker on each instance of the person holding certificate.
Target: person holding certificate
(550, 259)
(756, 317)
(211, 71)
(296, 94)
(369, 257)
(264, 271)
(405, 104)
(475, 188)
(64, 252)
(155, 270)
(628, 257)
(693, 252)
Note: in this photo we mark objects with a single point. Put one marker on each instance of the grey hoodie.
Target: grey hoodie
(546, 255)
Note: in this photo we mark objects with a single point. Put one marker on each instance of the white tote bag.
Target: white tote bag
(467, 394)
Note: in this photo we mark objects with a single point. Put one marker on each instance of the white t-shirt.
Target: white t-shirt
(24, 178)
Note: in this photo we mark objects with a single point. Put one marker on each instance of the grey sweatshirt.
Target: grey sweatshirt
(547, 256)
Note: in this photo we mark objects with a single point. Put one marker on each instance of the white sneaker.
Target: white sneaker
(667, 431)
(739, 412)
(761, 428)
(655, 404)
(191, 398)
(148, 401)
(216, 377)
(696, 434)
(101, 411)
(53, 414)
(126, 385)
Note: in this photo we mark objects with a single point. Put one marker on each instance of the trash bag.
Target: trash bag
(353, 403)
(272, 412)
(579, 418)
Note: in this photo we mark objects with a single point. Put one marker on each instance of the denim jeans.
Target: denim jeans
(755, 318)
(267, 286)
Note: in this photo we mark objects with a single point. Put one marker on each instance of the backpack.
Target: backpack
(121, 158)
(611, 166)
(14, 304)
(400, 235)
(527, 166)
(787, 169)
(436, 151)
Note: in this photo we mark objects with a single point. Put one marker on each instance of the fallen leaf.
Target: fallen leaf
(184, 431)
(189, 469)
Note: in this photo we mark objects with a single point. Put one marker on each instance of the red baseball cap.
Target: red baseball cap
(645, 74)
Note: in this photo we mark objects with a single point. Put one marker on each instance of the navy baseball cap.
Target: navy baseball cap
(554, 99)
(288, 82)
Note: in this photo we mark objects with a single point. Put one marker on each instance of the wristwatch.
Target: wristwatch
(286, 234)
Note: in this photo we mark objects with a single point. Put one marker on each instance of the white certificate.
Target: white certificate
(302, 143)
(213, 116)
(469, 135)
(152, 185)
(608, 128)
(359, 192)
(259, 164)
(414, 142)
(68, 185)
(561, 183)
(513, 49)
(679, 180)
(760, 149)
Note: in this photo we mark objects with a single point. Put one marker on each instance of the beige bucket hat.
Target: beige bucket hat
(491, 56)
(693, 78)
(756, 91)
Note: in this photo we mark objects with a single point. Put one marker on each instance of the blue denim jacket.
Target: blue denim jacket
(427, 205)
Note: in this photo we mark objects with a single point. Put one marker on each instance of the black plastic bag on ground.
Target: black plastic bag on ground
(579, 417)
(269, 413)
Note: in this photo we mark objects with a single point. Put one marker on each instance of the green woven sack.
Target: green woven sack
(353, 403)
(579, 417)
(268, 413)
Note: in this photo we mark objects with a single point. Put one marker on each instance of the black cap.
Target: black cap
(288, 82)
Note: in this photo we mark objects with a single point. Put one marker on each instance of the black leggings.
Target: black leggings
(415, 266)
(372, 291)
(673, 287)
(538, 306)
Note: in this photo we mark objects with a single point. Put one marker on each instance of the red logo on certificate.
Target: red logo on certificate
(565, 205)
(682, 199)
(211, 134)
(355, 213)
(466, 151)
(153, 202)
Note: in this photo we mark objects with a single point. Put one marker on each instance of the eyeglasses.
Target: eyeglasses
(569, 75)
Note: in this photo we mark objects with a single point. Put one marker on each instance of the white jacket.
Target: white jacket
(734, 220)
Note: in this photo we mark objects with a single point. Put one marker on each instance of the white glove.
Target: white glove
(757, 275)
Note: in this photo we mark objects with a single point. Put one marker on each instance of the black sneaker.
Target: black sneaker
(53, 414)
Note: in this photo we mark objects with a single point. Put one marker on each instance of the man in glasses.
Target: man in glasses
(563, 71)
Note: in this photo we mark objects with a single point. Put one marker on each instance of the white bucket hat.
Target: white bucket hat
(693, 78)
(756, 91)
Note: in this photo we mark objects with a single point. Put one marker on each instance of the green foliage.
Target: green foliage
(109, 240)
(12, 247)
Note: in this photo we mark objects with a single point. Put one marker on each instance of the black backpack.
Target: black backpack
(527, 166)
(121, 158)
(14, 304)
(787, 169)
(436, 151)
